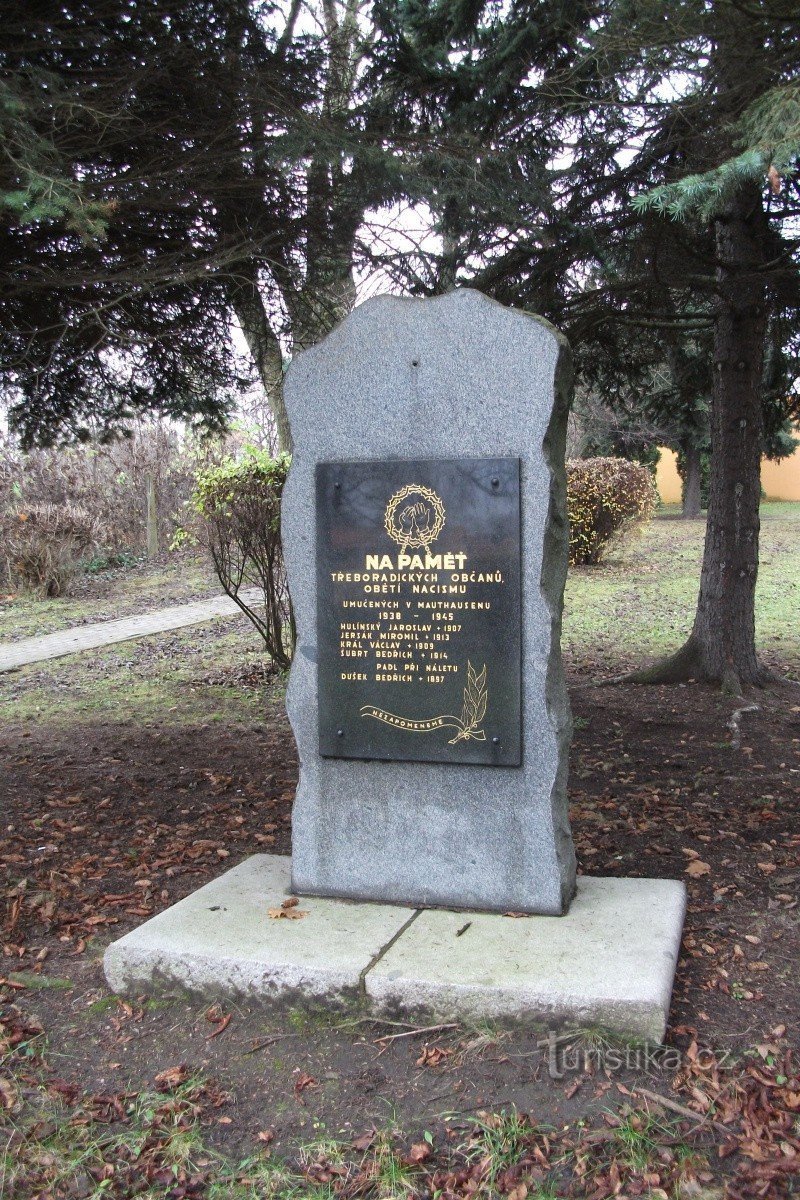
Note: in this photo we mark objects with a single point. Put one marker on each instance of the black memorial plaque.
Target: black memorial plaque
(418, 610)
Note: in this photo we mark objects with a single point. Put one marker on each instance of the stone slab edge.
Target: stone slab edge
(221, 940)
(633, 953)
(149, 960)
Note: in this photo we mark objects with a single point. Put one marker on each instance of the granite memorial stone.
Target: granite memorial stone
(425, 533)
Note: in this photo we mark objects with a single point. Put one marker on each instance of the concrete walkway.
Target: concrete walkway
(106, 633)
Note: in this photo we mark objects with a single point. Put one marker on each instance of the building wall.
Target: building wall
(780, 481)
(668, 481)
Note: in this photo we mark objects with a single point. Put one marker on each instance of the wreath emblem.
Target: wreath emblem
(414, 517)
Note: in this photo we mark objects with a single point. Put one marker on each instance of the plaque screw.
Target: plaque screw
(415, 362)
(496, 741)
(340, 733)
(495, 482)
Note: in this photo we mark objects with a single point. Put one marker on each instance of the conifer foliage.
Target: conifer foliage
(627, 168)
(744, 151)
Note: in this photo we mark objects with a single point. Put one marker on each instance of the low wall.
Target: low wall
(780, 480)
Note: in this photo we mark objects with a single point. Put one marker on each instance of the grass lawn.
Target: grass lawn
(639, 604)
(131, 776)
(116, 592)
(213, 672)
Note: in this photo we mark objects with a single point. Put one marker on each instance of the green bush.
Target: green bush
(605, 497)
(43, 544)
(108, 560)
(238, 506)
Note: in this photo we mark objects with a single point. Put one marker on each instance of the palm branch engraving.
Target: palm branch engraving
(476, 696)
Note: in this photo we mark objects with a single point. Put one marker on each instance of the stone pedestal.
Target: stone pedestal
(456, 377)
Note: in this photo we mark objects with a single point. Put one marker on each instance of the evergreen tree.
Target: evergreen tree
(745, 113)
(169, 165)
(680, 116)
(122, 162)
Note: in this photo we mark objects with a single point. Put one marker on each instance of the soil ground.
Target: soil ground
(134, 775)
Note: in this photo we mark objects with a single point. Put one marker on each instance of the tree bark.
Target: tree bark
(721, 647)
(152, 517)
(724, 626)
(692, 481)
(264, 346)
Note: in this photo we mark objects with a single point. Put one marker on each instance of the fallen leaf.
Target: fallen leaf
(697, 867)
(222, 1025)
(290, 902)
(418, 1152)
(364, 1141)
(304, 1081)
(173, 1076)
(432, 1055)
(291, 914)
(266, 1135)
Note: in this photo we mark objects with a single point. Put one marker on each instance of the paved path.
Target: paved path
(105, 633)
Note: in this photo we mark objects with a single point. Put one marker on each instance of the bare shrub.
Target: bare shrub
(238, 506)
(44, 544)
(109, 480)
(605, 497)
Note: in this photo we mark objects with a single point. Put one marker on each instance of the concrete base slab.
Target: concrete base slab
(609, 962)
(221, 940)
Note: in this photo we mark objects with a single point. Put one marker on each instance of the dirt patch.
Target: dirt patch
(106, 825)
(679, 783)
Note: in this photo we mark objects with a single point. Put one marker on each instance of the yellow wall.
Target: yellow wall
(780, 481)
(668, 481)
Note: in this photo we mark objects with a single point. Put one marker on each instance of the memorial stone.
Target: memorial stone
(424, 525)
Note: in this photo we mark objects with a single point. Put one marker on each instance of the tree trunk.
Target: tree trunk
(451, 245)
(263, 345)
(693, 466)
(721, 647)
(724, 626)
(152, 517)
